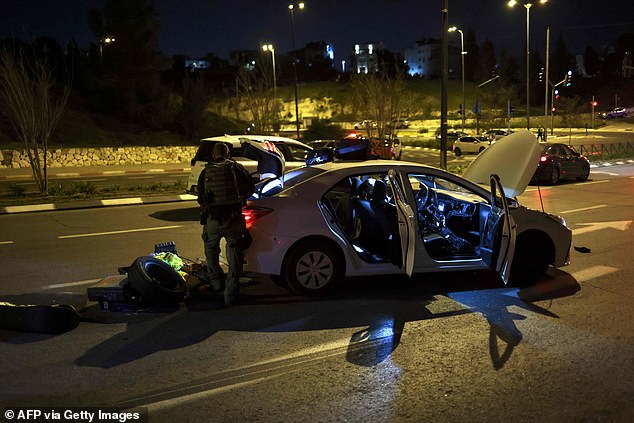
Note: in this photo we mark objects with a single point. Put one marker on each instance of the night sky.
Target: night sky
(194, 28)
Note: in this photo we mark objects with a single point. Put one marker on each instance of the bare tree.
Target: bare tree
(380, 98)
(257, 92)
(32, 108)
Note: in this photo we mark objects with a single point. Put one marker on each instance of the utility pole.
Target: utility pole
(546, 82)
(445, 79)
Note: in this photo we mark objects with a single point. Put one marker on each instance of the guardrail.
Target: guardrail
(593, 150)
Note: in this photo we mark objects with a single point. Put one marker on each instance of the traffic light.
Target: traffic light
(594, 103)
(554, 110)
(541, 75)
(569, 78)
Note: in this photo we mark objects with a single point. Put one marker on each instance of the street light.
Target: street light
(105, 41)
(269, 47)
(462, 54)
(527, 5)
(291, 8)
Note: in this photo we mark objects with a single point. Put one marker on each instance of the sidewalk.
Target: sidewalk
(74, 172)
(7, 174)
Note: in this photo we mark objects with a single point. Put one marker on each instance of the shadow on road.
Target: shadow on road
(381, 306)
(178, 215)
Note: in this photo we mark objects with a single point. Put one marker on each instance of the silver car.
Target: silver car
(316, 225)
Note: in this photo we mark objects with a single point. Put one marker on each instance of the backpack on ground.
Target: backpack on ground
(221, 184)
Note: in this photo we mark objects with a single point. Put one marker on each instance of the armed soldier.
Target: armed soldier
(223, 188)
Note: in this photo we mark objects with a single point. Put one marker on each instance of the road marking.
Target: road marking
(88, 180)
(592, 182)
(621, 225)
(126, 231)
(67, 284)
(6, 242)
(606, 173)
(584, 209)
(593, 273)
(540, 188)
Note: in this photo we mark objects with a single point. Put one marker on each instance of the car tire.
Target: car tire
(585, 173)
(531, 259)
(553, 178)
(480, 150)
(156, 281)
(313, 268)
(457, 152)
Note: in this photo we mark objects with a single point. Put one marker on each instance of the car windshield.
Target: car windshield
(272, 186)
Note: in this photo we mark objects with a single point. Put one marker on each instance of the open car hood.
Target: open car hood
(513, 158)
(270, 159)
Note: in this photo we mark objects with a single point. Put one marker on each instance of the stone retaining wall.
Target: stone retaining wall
(105, 156)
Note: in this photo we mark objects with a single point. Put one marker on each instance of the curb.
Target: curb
(102, 173)
(95, 203)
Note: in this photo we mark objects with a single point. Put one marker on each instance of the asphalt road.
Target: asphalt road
(437, 348)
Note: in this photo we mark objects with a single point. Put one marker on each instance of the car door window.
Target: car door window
(296, 152)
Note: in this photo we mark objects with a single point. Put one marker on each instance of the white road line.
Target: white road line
(584, 209)
(593, 273)
(6, 242)
(606, 173)
(158, 228)
(67, 284)
(593, 182)
(540, 188)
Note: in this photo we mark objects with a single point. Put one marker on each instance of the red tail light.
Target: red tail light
(251, 213)
(543, 159)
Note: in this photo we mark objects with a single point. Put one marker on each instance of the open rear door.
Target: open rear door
(498, 237)
(406, 223)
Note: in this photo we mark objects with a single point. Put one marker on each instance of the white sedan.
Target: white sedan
(470, 144)
(319, 224)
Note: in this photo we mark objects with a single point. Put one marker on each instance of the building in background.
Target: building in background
(424, 59)
(364, 58)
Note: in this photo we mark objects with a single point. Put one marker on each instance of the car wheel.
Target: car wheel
(554, 176)
(313, 268)
(532, 256)
(584, 173)
(481, 150)
(457, 152)
(156, 281)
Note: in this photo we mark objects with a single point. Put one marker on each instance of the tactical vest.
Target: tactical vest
(221, 185)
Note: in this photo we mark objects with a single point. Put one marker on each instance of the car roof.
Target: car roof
(234, 140)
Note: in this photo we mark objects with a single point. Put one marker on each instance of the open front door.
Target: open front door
(498, 237)
(406, 223)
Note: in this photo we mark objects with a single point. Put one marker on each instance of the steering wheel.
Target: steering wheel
(427, 204)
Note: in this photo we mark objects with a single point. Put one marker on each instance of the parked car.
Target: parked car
(617, 112)
(365, 124)
(560, 161)
(356, 147)
(293, 153)
(495, 134)
(470, 144)
(316, 225)
(451, 135)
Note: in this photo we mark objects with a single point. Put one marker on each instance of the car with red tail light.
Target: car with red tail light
(559, 161)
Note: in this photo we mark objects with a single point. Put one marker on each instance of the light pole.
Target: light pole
(104, 41)
(527, 5)
(269, 47)
(291, 8)
(462, 54)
